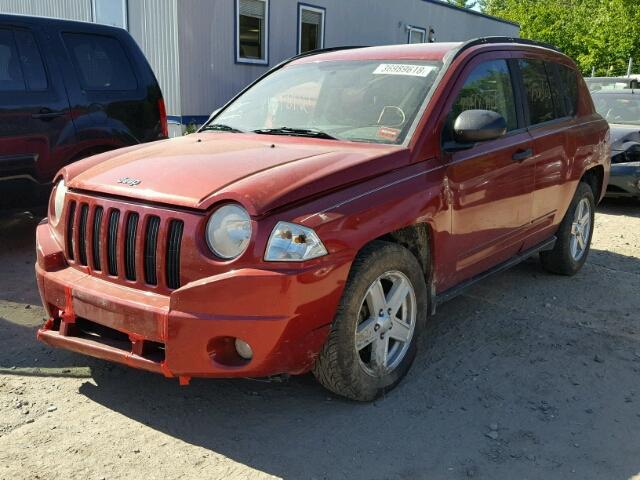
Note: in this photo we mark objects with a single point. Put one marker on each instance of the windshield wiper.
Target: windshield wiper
(220, 128)
(299, 132)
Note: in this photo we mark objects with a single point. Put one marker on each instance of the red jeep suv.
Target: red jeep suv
(317, 220)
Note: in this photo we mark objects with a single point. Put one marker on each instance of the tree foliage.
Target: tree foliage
(599, 34)
(462, 3)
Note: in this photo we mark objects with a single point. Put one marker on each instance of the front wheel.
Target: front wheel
(574, 235)
(373, 339)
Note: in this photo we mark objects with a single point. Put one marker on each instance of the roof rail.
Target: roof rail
(323, 50)
(489, 40)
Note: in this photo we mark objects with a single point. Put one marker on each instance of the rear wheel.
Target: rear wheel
(574, 235)
(372, 342)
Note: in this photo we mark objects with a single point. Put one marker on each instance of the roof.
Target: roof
(616, 91)
(56, 22)
(417, 51)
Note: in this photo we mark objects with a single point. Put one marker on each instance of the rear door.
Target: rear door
(36, 129)
(490, 185)
(550, 115)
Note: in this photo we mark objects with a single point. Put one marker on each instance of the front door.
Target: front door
(489, 185)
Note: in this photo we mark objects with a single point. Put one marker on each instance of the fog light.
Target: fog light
(243, 349)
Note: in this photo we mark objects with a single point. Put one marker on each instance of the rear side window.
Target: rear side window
(31, 61)
(101, 62)
(488, 87)
(11, 77)
(538, 91)
(569, 89)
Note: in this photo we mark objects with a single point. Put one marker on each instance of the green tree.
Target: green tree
(462, 3)
(599, 34)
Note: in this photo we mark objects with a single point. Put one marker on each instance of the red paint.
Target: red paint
(479, 205)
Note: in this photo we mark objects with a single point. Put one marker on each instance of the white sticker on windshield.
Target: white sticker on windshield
(403, 69)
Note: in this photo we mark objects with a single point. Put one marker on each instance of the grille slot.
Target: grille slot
(174, 238)
(130, 246)
(97, 228)
(82, 234)
(112, 242)
(70, 220)
(150, 250)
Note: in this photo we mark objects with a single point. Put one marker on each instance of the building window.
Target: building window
(416, 35)
(252, 31)
(310, 28)
(110, 12)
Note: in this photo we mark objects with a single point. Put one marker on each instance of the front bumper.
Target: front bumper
(624, 180)
(283, 315)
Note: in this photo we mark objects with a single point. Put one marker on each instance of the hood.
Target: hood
(621, 134)
(261, 172)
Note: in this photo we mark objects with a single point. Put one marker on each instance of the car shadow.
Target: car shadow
(629, 207)
(485, 358)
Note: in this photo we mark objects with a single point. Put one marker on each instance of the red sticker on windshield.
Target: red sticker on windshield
(388, 133)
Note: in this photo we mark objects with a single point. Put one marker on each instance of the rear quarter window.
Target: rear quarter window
(100, 61)
(569, 89)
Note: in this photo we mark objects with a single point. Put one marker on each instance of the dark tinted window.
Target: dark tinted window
(32, 65)
(536, 85)
(569, 89)
(101, 62)
(11, 78)
(488, 87)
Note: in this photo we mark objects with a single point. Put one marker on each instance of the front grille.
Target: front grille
(108, 241)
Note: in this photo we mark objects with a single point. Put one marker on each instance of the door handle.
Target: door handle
(46, 113)
(522, 155)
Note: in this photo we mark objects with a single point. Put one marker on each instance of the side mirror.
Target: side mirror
(473, 126)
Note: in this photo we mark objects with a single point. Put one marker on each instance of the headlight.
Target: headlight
(56, 204)
(229, 231)
(292, 243)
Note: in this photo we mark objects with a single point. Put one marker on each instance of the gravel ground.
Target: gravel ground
(527, 375)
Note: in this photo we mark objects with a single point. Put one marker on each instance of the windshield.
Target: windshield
(624, 108)
(367, 101)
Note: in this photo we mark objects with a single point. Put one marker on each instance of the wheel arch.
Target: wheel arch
(418, 239)
(594, 177)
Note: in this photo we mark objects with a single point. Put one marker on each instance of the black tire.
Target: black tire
(339, 367)
(560, 260)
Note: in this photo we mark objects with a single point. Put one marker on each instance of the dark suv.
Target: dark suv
(68, 90)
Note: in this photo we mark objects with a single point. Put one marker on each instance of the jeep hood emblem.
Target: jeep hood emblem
(132, 182)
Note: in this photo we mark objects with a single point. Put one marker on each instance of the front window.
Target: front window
(618, 108)
(365, 101)
(252, 23)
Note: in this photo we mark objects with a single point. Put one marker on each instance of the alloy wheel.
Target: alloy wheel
(386, 323)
